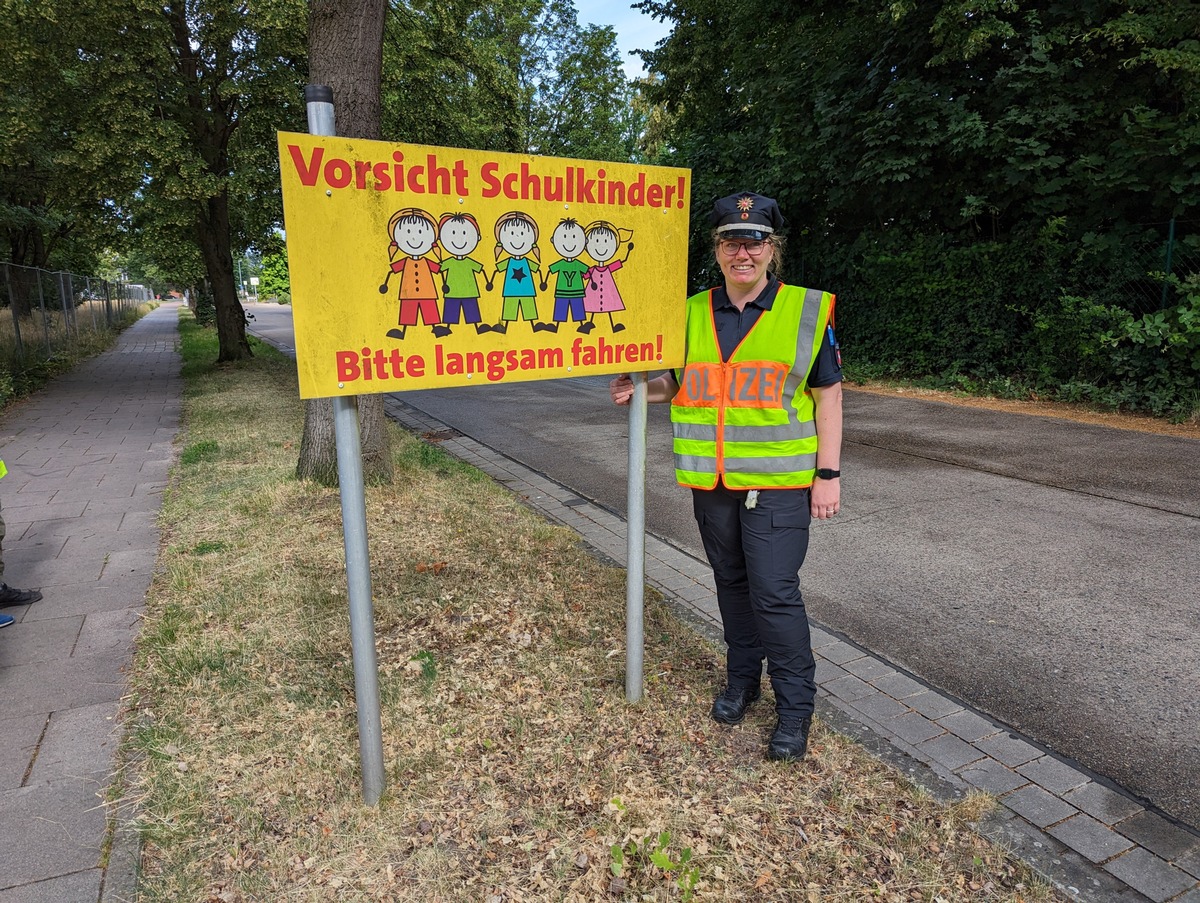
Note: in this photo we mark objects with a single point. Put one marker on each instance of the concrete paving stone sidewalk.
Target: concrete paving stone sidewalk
(88, 457)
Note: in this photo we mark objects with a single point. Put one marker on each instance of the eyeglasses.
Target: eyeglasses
(730, 248)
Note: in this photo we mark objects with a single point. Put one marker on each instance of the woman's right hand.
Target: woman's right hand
(620, 389)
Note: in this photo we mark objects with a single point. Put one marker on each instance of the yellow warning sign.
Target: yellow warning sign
(414, 267)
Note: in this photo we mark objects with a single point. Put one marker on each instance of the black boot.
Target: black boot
(730, 707)
(789, 743)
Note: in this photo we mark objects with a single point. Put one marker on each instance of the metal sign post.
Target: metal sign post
(319, 100)
(635, 564)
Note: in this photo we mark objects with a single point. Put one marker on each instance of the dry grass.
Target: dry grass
(52, 344)
(54, 328)
(515, 768)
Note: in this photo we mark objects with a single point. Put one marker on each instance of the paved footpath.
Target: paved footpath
(88, 458)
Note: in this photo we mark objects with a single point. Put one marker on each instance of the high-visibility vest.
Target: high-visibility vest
(749, 421)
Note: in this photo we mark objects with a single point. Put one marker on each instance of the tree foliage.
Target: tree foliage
(520, 76)
(987, 155)
(229, 78)
(53, 182)
(148, 127)
(961, 117)
(275, 280)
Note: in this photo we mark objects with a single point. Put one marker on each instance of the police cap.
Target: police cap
(746, 215)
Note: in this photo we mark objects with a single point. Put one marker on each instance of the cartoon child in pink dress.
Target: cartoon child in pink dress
(600, 294)
(414, 234)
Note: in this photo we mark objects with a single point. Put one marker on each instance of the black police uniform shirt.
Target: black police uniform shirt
(733, 326)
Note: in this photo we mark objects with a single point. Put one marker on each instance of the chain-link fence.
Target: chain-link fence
(1155, 274)
(49, 312)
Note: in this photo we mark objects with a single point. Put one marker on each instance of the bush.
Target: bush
(1156, 357)
(204, 307)
(1040, 314)
(915, 307)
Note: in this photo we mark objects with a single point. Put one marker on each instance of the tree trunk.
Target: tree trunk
(213, 234)
(27, 250)
(345, 52)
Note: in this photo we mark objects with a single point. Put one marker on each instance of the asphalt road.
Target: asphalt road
(1046, 572)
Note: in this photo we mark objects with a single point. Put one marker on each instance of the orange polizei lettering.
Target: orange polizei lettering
(701, 385)
(755, 386)
(742, 386)
(770, 385)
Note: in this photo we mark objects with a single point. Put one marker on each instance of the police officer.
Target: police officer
(757, 418)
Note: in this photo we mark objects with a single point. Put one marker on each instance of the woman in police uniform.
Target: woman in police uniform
(757, 419)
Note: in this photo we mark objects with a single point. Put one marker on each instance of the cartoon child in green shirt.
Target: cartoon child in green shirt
(459, 235)
(568, 240)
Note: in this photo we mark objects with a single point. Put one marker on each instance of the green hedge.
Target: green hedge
(1040, 314)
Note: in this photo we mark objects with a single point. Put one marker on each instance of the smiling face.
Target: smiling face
(459, 236)
(601, 244)
(517, 237)
(744, 273)
(415, 236)
(568, 239)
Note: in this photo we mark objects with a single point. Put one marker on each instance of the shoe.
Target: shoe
(10, 596)
(6, 621)
(789, 743)
(395, 333)
(441, 331)
(730, 707)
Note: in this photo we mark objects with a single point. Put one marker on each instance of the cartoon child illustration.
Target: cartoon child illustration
(517, 235)
(413, 233)
(458, 234)
(568, 240)
(600, 294)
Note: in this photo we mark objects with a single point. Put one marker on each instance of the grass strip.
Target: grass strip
(516, 770)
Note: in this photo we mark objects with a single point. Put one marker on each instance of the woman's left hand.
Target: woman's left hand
(826, 498)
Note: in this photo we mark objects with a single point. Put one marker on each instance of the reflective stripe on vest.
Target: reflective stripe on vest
(749, 421)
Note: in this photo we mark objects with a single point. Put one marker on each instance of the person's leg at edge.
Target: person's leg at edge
(775, 538)
(719, 521)
(11, 596)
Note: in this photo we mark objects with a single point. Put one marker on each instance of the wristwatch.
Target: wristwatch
(826, 474)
